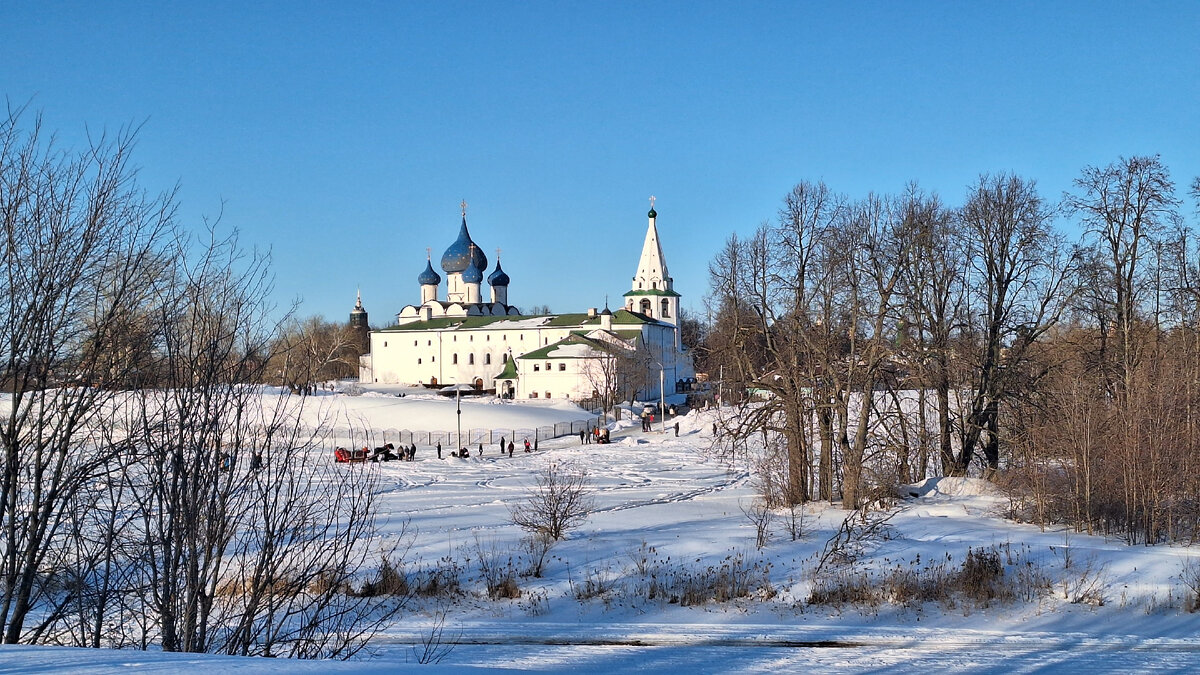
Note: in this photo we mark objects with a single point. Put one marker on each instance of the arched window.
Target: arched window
(454, 359)
(646, 306)
(487, 359)
(470, 359)
(666, 308)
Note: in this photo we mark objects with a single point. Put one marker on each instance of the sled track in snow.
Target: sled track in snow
(676, 497)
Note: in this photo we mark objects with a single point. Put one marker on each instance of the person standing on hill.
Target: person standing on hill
(510, 448)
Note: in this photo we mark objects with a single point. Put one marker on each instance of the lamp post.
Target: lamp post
(458, 415)
(662, 397)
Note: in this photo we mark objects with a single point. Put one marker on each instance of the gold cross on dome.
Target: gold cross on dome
(464, 208)
(497, 254)
(428, 253)
(652, 198)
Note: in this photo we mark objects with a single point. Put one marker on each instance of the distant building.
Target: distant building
(359, 327)
(459, 337)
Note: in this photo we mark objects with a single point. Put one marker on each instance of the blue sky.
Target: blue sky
(344, 135)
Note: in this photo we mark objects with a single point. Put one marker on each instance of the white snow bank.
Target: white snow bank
(949, 486)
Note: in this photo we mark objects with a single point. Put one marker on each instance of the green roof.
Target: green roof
(509, 372)
(453, 322)
(572, 339)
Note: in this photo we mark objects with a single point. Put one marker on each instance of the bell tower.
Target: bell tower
(653, 292)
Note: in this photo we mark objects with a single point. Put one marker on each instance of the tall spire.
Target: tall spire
(652, 266)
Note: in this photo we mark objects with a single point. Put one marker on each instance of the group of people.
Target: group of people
(647, 419)
(648, 414)
(593, 434)
(385, 453)
(388, 453)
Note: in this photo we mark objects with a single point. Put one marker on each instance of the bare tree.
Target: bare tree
(311, 351)
(1019, 287)
(933, 291)
(559, 500)
(76, 234)
(1126, 207)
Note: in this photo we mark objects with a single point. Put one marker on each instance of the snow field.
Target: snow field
(665, 505)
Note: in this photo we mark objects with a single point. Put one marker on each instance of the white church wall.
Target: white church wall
(557, 378)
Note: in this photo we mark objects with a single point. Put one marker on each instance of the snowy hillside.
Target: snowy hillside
(665, 574)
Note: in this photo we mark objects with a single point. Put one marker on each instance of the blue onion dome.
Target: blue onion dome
(472, 275)
(463, 253)
(498, 278)
(429, 277)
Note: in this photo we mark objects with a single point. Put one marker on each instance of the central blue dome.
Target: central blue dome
(462, 254)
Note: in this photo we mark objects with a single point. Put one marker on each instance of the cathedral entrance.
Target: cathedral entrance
(433, 381)
(478, 384)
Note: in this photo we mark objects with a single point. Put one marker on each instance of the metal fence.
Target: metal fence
(485, 437)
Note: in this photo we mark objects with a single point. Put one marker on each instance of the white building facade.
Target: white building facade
(461, 338)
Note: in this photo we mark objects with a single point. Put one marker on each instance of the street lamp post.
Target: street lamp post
(662, 397)
(458, 415)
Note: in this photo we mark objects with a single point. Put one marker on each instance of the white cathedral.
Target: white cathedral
(460, 338)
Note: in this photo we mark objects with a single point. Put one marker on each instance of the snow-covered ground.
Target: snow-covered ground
(668, 507)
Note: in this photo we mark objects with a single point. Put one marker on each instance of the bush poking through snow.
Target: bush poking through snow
(436, 644)
(388, 581)
(559, 500)
(981, 578)
(733, 578)
(1189, 573)
(441, 580)
(537, 547)
(794, 519)
(989, 575)
(498, 570)
(598, 582)
(1088, 586)
(761, 517)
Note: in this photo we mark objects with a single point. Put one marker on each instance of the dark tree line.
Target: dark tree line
(893, 338)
